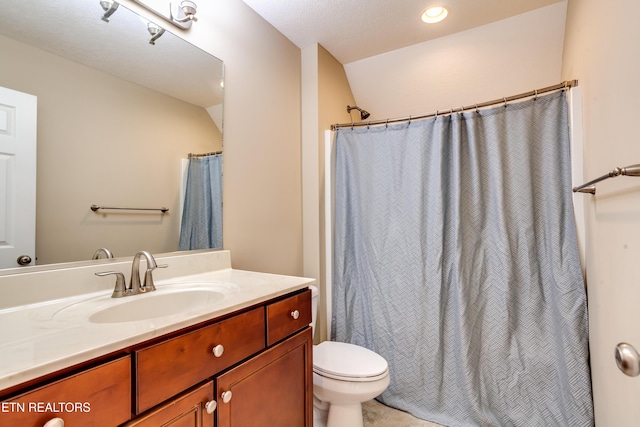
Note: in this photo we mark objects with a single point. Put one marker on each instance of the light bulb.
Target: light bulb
(434, 14)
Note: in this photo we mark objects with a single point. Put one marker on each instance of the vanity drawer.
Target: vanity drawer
(99, 396)
(287, 316)
(165, 369)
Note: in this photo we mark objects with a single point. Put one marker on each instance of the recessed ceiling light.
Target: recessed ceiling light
(434, 14)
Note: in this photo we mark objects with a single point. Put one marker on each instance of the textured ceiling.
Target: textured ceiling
(356, 29)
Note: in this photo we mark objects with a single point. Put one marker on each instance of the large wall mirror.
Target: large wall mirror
(116, 116)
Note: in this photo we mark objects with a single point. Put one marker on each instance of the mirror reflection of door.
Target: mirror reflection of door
(18, 113)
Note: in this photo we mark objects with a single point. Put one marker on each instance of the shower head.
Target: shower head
(364, 114)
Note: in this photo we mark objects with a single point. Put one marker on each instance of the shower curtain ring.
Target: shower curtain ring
(386, 125)
(535, 97)
(505, 102)
(409, 119)
(436, 116)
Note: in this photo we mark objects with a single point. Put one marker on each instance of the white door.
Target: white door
(18, 113)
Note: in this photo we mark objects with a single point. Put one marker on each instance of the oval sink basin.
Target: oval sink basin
(154, 305)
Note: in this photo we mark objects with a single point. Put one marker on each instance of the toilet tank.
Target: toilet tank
(315, 299)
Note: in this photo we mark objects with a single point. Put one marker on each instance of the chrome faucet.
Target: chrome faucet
(107, 253)
(134, 288)
(147, 285)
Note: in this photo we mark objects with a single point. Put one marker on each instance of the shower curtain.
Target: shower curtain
(455, 258)
(201, 226)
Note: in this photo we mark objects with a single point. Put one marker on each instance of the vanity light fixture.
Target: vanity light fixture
(109, 7)
(156, 32)
(180, 13)
(434, 14)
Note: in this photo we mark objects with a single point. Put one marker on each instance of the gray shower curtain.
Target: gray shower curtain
(201, 226)
(455, 258)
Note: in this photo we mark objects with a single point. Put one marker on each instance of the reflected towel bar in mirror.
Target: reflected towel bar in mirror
(95, 208)
(212, 153)
(590, 187)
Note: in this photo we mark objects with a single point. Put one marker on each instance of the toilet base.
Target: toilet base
(337, 415)
(345, 415)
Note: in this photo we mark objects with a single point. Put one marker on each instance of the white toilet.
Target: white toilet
(344, 376)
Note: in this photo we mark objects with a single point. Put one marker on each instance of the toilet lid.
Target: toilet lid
(339, 359)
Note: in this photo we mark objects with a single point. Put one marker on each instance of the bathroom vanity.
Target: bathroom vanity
(245, 359)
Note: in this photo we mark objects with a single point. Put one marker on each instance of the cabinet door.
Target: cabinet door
(187, 410)
(99, 397)
(273, 389)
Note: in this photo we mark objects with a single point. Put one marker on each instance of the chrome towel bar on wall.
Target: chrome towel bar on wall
(590, 187)
(95, 208)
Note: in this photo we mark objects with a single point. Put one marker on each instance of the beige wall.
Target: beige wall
(600, 50)
(325, 96)
(105, 141)
(262, 222)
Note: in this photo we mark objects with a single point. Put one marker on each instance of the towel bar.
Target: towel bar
(590, 187)
(95, 208)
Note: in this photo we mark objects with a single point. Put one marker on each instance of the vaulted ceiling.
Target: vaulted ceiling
(356, 29)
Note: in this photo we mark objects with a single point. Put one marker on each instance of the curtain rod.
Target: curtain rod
(564, 85)
(212, 153)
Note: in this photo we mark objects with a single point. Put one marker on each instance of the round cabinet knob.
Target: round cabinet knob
(295, 314)
(226, 396)
(210, 406)
(54, 422)
(627, 359)
(218, 350)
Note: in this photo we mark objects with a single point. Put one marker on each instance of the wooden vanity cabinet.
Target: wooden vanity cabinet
(271, 387)
(253, 368)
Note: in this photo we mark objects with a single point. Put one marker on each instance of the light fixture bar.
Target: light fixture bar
(179, 13)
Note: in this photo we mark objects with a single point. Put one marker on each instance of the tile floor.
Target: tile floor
(377, 415)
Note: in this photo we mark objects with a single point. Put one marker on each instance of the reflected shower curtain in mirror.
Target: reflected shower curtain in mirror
(455, 258)
(201, 226)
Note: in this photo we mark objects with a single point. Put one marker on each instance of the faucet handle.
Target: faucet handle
(148, 284)
(120, 290)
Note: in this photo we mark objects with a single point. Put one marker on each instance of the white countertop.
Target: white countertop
(45, 336)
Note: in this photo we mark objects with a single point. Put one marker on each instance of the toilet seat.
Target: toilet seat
(348, 362)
